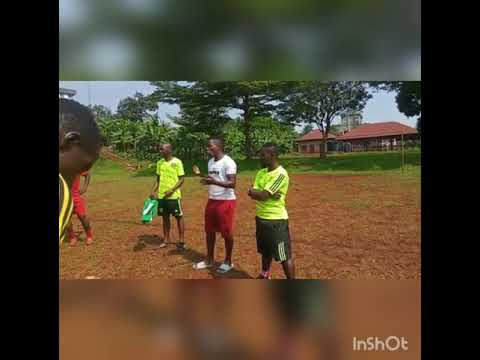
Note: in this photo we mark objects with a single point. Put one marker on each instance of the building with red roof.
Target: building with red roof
(310, 143)
(365, 137)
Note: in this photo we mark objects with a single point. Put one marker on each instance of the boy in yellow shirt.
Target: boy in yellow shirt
(169, 179)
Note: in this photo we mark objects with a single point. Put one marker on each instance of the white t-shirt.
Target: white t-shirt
(219, 171)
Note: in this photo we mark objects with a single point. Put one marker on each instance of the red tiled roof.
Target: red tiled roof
(315, 135)
(378, 130)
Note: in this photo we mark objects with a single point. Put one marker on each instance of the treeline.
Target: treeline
(245, 113)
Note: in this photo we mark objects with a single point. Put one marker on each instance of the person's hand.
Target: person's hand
(276, 196)
(196, 170)
(168, 194)
(207, 180)
(153, 196)
(249, 193)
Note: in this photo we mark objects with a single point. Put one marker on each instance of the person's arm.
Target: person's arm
(181, 179)
(271, 190)
(262, 195)
(84, 188)
(229, 184)
(197, 172)
(176, 187)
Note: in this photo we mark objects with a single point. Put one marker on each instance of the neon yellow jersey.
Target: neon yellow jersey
(273, 182)
(65, 211)
(169, 172)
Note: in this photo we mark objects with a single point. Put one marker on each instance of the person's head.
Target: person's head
(268, 154)
(215, 147)
(166, 150)
(79, 138)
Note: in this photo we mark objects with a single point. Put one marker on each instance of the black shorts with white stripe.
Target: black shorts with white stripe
(167, 207)
(273, 239)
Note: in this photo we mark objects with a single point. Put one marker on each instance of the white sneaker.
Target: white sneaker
(224, 268)
(202, 265)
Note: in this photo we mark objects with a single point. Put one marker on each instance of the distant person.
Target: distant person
(220, 209)
(80, 210)
(272, 230)
(169, 180)
(79, 147)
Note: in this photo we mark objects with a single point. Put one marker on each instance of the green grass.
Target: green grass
(108, 168)
(346, 164)
(360, 204)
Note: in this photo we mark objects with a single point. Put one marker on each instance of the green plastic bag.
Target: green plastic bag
(150, 210)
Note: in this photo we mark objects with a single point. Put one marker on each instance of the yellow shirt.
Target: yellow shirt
(169, 172)
(273, 182)
(66, 209)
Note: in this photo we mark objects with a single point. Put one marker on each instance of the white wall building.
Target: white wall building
(66, 93)
(350, 121)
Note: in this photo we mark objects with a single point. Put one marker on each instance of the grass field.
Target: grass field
(353, 216)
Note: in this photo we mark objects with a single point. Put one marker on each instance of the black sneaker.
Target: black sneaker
(181, 246)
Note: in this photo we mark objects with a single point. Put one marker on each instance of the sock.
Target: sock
(89, 234)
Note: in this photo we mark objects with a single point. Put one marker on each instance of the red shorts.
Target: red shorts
(219, 216)
(78, 205)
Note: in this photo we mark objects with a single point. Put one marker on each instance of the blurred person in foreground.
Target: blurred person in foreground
(80, 210)
(304, 309)
(79, 147)
(203, 308)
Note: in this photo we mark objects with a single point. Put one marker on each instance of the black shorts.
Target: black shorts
(273, 239)
(167, 207)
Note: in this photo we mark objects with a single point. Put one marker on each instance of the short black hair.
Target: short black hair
(272, 147)
(217, 141)
(75, 117)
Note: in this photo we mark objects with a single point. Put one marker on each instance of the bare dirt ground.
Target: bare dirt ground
(344, 227)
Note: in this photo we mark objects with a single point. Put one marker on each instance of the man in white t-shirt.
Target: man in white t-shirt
(220, 209)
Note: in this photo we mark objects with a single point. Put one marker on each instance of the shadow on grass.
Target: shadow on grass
(152, 241)
(193, 257)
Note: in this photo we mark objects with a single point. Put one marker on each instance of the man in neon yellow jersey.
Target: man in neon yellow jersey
(272, 231)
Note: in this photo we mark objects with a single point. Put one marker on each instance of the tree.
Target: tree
(408, 96)
(264, 129)
(207, 105)
(101, 112)
(139, 139)
(136, 108)
(315, 102)
(190, 145)
(306, 129)
(335, 129)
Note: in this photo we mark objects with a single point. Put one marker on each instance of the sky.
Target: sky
(381, 107)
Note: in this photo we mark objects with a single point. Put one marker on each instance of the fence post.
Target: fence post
(403, 156)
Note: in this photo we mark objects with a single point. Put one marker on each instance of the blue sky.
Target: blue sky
(382, 107)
